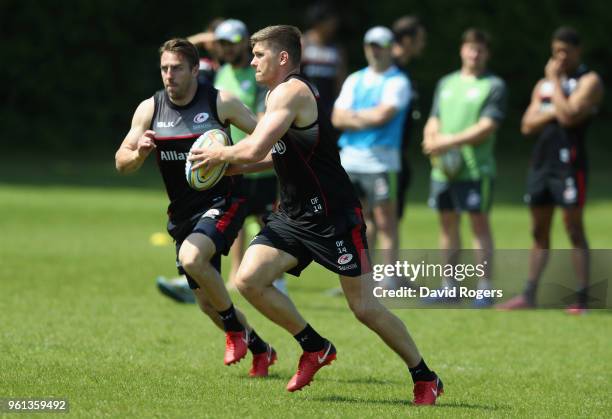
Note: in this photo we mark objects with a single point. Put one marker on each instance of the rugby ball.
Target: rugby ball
(206, 177)
(449, 162)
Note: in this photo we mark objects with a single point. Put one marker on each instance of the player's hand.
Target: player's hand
(205, 157)
(436, 144)
(552, 71)
(145, 143)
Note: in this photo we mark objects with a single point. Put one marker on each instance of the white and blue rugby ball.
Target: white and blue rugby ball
(206, 177)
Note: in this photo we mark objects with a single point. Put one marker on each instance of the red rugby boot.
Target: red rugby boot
(426, 392)
(310, 363)
(261, 363)
(236, 345)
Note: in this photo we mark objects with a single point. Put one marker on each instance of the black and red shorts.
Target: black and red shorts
(336, 243)
(220, 222)
(563, 188)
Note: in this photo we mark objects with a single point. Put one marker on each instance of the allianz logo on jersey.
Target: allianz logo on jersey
(173, 155)
(279, 147)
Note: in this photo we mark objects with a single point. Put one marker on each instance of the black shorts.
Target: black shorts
(261, 194)
(220, 222)
(472, 195)
(344, 251)
(565, 188)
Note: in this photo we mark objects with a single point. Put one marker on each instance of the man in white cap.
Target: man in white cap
(371, 110)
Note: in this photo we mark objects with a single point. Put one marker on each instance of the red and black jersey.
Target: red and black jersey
(177, 127)
(559, 147)
(314, 188)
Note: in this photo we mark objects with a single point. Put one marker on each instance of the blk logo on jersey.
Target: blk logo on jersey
(279, 147)
(201, 117)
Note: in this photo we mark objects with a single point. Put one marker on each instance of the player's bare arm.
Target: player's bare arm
(202, 38)
(241, 169)
(472, 135)
(432, 127)
(582, 103)
(283, 108)
(138, 143)
(232, 110)
(347, 119)
(535, 118)
(430, 131)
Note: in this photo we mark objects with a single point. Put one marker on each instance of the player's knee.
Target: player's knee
(245, 283)
(363, 313)
(191, 260)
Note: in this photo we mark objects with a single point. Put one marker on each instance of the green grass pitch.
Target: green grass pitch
(81, 319)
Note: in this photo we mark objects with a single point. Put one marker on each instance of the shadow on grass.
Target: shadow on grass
(405, 402)
(367, 380)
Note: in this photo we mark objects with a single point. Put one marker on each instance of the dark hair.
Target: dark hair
(281, 38)
(477, 36)
(568, 35)
(406, 26)
(184, 47)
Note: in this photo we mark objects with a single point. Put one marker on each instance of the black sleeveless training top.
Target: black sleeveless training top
(558, 146)
(177, 127)
(313, 184)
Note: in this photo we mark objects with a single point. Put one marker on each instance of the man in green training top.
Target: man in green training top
(260, 189)
(459, 136)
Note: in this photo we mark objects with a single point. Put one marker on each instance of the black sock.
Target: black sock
(421, 372)
(310, 340)
(256, 344)
(583, 296)
(230, 320)
(530, 291)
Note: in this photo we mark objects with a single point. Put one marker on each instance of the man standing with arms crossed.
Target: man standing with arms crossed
(203, 224)
(319, 217)
(371, 111)
(562, 106)
(468, 107)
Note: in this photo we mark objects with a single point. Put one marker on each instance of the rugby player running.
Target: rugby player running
(319, 216)
(203, 224)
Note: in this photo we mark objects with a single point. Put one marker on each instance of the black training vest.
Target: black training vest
(176, 128)
(313, 183)
(558, 146)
